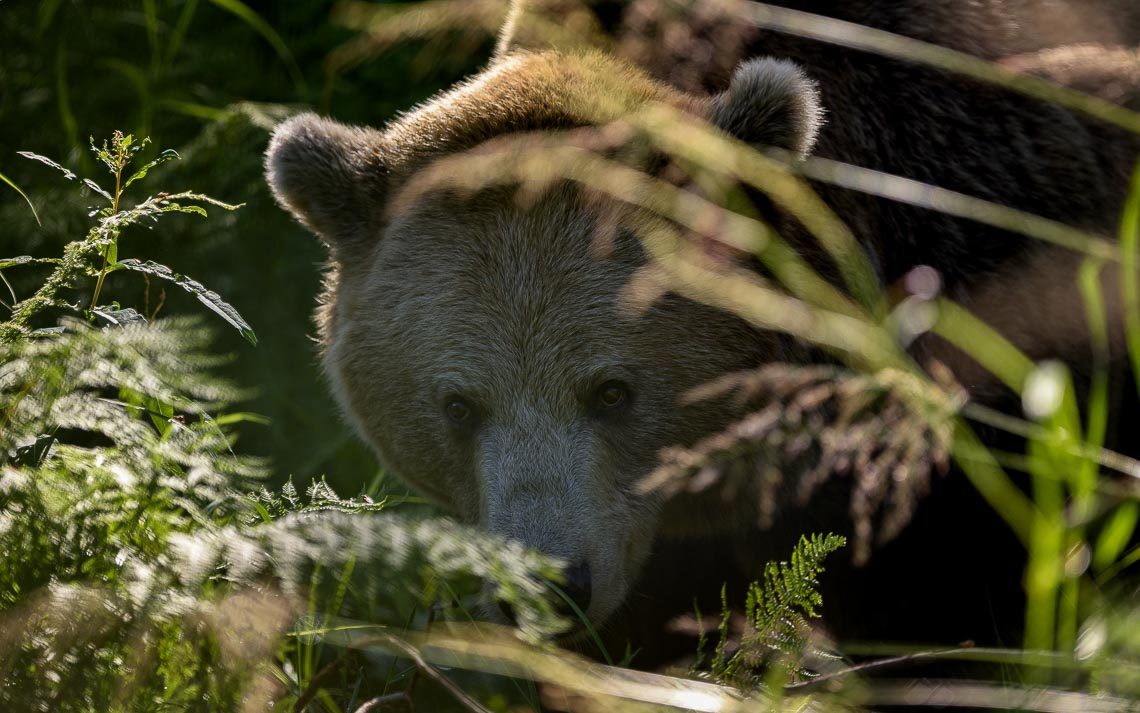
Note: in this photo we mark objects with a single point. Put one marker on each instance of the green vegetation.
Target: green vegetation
(158, 556)
(777, 631)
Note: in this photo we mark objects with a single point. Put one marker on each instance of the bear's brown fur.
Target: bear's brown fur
(481, 345)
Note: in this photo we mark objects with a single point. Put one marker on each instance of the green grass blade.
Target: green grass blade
(195, 110)
(180, 29)
(139, 80)
(23, 195)
(887, 44)
(1129, 245)
(1116, 535)
(1096, 428)
(63, 100)
(150, 12)
(47, 11)
(261, 27)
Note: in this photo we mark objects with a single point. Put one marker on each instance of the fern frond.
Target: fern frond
(777, 634)
(318, 496)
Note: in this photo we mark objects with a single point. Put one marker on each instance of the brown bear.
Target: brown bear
(485, 348)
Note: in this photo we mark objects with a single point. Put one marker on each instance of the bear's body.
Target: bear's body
(485, 348)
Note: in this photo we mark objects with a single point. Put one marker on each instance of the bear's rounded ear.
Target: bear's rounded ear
(770, 102)
(331, 177)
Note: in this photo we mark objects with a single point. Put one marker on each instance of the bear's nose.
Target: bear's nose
(578, 586)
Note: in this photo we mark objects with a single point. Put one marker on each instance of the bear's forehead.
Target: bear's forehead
(490, 265)
(495, 243)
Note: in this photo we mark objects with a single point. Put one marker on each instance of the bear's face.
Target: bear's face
(485, 348)
(488, 354)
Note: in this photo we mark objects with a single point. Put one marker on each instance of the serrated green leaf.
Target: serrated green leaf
(47, 161)
(11, 261)
(23, 195)
(207, 297)
(120, 317)
(98, 189)
(181, 208)
(167, 155)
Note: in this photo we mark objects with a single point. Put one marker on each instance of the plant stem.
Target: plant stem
(115, 236)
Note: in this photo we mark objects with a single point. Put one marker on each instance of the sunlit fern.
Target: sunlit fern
(777, 637)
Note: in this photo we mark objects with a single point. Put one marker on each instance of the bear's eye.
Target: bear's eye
(611, 395)
(458, 411)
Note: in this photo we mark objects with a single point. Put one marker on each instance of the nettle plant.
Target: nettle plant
(97, 254)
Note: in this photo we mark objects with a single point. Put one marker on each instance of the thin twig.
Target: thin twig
(412, 653)
(375, 704)
(968, 652)
(318, 681)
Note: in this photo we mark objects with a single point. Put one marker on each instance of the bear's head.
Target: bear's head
(483, 345)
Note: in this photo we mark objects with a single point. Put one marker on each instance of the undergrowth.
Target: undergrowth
(144, 567)
(147, 565)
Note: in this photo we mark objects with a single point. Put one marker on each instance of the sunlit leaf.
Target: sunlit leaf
(47, 161)
(207, 297)
(167, 155)
(98, 189)
(119, 317)
(12, 261)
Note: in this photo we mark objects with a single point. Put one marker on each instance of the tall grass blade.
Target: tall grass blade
(62, 97)
(46, 15)
(261, 27)
(23, 195)
(1130, 264)
(180, 29)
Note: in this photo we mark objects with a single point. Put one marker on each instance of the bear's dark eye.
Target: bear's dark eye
(611, 395)
(458, 411)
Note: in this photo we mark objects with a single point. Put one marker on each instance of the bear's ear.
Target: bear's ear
(770, 102)
(330, 176)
